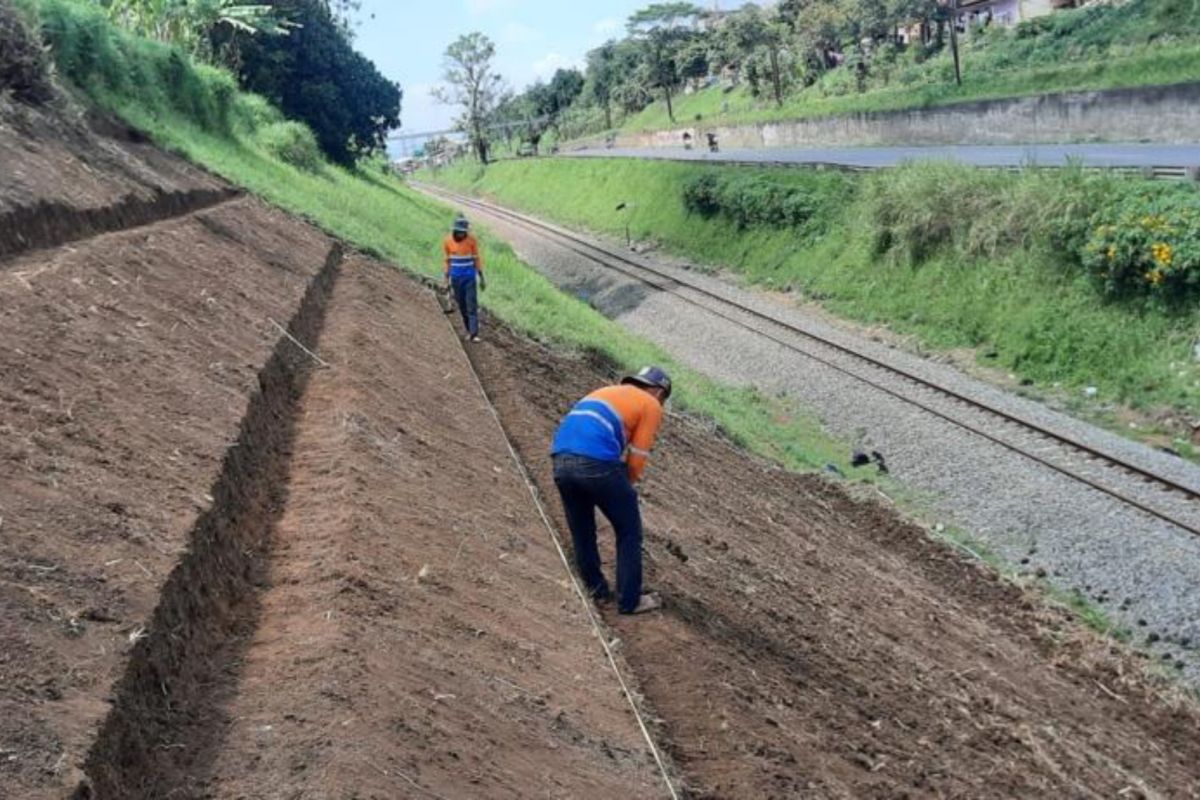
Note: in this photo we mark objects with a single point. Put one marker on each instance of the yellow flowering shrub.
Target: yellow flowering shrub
(1147, 244)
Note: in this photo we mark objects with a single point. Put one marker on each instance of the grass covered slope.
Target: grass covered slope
(1139, 43)
(198, 112)
(959, 257)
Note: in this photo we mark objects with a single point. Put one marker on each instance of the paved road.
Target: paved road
(1095, 155)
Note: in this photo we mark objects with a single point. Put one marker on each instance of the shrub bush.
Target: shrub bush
(293, 143)
(1148, 244)
(252, 112)
(757, 199)
(701, 195)
(918, 209)
(23, 66)
(104, 61)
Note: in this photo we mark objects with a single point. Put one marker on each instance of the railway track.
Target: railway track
(1160, 496)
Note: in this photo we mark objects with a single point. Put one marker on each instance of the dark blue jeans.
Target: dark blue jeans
(468, 302)
(586, 484)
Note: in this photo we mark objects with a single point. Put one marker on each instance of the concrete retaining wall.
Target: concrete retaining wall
(1162, 114)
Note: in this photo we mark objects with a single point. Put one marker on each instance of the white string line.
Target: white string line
(587, 606)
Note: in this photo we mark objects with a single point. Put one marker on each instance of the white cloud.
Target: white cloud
(545, 66)
(609, 26)
(515, 33)
(419, 111)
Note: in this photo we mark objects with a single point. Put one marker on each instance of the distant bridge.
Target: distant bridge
(404, 139)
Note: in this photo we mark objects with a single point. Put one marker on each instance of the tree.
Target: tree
(692, 60)
(524, 115)
(343, 12)
(540, 107)
(752, 32)
(315, 76)
(817, 28)
(471, 84)
(192, 25)
(565, 86)
(603, 77)
(632, 90)
(662, 29)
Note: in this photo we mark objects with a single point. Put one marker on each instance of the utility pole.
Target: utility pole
(954, 40)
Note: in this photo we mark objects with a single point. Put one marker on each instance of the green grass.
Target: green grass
(223, 131)
(1145, 42)
(984, 272)
(1089, 613)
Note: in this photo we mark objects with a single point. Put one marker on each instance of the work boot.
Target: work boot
(647, 602)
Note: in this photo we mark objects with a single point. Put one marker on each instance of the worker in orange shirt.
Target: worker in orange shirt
(464, 268)
(600, 451)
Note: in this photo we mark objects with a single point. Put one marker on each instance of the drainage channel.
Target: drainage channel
(45, 225)
(162, 728)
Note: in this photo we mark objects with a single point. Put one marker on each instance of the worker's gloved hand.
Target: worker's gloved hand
(482, 282)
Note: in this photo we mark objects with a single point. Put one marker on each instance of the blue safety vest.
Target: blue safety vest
(593, 429)
(462, 266)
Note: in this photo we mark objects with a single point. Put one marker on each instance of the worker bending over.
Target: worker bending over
(464, 266)
(600, 452)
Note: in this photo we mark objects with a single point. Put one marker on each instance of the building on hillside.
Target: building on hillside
(1005, 12)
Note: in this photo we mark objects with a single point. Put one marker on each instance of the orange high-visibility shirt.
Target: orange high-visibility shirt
(462, 258)
(611, 423)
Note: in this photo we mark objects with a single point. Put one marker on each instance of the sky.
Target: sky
(407, 39)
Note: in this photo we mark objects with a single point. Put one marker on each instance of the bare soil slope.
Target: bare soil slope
(261, 537)
(817, 646)
(224, 572)
(128, 364)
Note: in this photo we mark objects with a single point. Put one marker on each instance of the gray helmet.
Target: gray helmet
(651, 377)
(461, 224)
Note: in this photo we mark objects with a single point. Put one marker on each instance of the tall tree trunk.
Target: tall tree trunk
(775, 78)
(670, 110)
(608, 114)
(480, 145)
(954, 41)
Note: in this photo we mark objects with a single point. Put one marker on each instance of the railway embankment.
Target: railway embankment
(1074, 288)
(1109, 524)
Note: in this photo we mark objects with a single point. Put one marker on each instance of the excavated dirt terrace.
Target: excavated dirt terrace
(814, 645)
(232, 567)
(261, 537)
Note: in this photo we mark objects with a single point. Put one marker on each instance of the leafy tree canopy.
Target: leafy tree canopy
(314, 75)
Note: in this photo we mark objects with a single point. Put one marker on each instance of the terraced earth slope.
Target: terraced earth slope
(262, 536)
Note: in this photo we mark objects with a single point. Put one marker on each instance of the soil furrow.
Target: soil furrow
(415, 636)
(131, 360)
(44, 225)
(161, 725)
